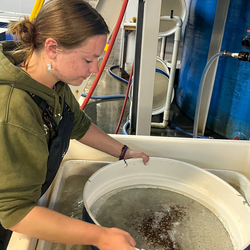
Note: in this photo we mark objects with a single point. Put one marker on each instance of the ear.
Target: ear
(50, 46)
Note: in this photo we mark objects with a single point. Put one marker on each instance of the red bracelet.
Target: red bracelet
(123, 152)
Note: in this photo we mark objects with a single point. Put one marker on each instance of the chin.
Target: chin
(76, 83)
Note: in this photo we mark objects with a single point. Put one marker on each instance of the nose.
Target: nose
(94, 67)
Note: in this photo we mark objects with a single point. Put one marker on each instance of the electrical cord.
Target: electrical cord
(104, 97)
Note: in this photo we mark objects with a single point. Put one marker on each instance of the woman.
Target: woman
(39, 115)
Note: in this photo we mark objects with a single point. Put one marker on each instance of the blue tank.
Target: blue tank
(4, 36)
(229, 113)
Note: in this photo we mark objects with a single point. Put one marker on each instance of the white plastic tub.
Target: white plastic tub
(211, 191)
(222, 155)
(83, 170)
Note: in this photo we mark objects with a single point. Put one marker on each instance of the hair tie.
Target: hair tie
(123, 152)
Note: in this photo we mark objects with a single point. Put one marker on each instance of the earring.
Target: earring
(49, 66)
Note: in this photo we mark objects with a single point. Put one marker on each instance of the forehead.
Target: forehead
(93, 46)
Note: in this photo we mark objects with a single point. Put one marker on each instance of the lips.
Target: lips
(85, 77)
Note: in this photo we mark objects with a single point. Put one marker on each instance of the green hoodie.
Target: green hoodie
(24, 136)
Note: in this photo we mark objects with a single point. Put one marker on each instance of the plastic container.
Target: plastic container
(161, 84)
(236, 180)
(208, 189)
(160, 87)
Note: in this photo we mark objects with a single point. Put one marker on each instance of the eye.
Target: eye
(88, 61)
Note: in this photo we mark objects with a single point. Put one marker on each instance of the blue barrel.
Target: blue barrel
(4, 36)
(229, 113)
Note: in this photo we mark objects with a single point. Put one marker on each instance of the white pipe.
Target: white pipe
(163, 39)
(176, 19)
(172, 70)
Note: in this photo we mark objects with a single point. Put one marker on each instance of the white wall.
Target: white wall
(131, 10)
(19, 6)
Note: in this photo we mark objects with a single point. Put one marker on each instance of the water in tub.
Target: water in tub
(71, 204)
(157, 219)
(160, 219)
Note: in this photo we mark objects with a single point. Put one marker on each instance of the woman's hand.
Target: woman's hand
(114, 238)
(136, 154)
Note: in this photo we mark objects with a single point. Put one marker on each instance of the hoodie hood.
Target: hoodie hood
(10, 74)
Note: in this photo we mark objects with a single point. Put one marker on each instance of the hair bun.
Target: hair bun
(25, 31)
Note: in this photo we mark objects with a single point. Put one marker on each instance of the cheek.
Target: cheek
(65, 66)
(71, 66)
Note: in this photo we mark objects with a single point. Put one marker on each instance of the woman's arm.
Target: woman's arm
(98, 139)
(43, 223)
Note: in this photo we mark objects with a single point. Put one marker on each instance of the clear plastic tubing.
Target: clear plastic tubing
(199, 97)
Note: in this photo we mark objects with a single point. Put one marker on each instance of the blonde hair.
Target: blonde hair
(69, 22)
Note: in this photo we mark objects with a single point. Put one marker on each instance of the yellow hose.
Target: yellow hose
(38, 5)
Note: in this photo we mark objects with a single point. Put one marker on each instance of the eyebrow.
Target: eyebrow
(95, 56)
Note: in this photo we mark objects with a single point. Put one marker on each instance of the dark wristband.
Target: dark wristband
(123, 152)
